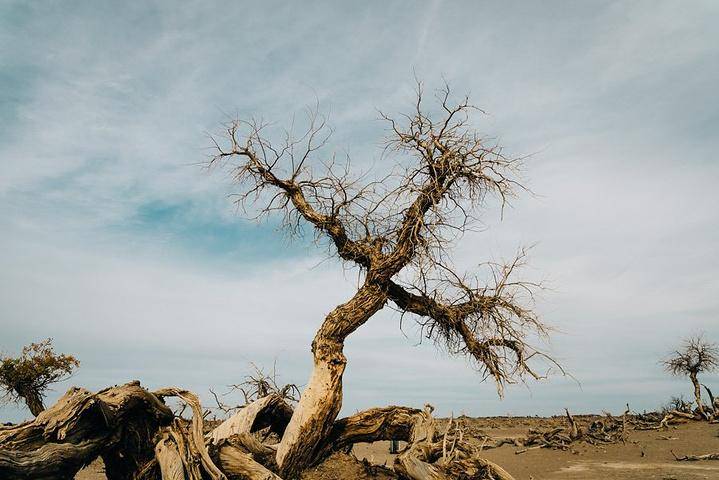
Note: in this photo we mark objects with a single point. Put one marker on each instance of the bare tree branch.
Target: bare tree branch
(394, 226)
(489, 322)
(257, 172)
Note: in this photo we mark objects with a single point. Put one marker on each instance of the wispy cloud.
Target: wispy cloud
(121, 246)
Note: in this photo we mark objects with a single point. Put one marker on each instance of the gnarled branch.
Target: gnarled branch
(487, 322)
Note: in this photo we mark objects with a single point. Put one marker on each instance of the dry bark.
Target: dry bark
(270, 411)
(189, 441)
(375, 424)
(428, 457)
(184, 453)
(606, 430)
(321, 400)
(117, 424)
(34, 403)
(236, 462)
(698, 394)
(169, 459)
(140, 438)
(675, 416)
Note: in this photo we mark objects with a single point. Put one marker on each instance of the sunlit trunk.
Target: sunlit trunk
(697, 393)
(321, 400)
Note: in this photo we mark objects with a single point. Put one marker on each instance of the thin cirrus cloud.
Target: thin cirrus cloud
(120, 245)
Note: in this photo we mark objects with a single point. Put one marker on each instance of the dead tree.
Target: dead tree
(696, 355)
(28, 376)
(396, 231)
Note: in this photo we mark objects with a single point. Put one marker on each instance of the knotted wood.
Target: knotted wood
(117, 423)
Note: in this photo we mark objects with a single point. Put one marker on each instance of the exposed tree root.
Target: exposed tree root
(375, 424)
(240, 464)
(140, 438)
(657, 421)
(676, 416)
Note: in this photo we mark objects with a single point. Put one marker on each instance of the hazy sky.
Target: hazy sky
(131, 256)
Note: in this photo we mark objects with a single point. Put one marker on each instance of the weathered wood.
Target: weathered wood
(425, 458)
(321, 400)
(236, 462)
(117, 423)
(169, 459)
(269, 411)
(193, 440)
(375, 424)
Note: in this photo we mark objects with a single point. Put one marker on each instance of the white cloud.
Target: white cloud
(613, 100)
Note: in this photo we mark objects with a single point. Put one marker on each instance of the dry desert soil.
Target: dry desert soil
(646, 455)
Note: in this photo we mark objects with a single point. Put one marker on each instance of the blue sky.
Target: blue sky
(118, 244)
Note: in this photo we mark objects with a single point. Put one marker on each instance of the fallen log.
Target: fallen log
(139, 438)
(117, 423)
(694, 458)
(428, 458)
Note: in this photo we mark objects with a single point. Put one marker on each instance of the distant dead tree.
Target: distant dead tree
(29, 376)
(696, 355)
(396, 229)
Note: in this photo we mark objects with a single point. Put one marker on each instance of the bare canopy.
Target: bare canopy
(397, 229)
(696, 355)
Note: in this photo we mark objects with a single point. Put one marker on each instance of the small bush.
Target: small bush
(29, 376)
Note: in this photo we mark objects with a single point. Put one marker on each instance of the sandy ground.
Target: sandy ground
(647, 455)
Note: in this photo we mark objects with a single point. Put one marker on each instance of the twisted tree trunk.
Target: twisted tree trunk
(698, 394)
(321, 400)
(34, 402)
